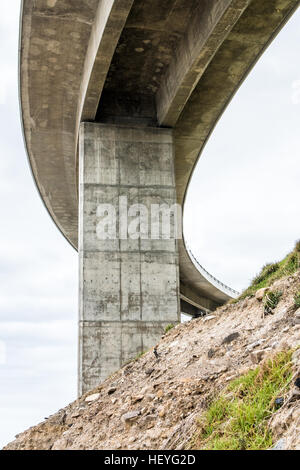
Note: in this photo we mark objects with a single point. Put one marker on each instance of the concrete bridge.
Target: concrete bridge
(118, 99)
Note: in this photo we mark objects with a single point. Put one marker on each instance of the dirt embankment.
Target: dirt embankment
(156, 403)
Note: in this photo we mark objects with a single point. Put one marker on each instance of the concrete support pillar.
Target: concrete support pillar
(129, 284)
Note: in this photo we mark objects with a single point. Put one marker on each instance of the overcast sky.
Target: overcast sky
(242, 208)
(242, 211)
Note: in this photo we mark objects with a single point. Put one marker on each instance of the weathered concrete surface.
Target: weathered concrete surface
(59, 64)
(55, 40)
(129, 288)
(210, 24)
(107, 26)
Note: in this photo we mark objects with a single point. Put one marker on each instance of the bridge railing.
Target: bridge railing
(228, 290)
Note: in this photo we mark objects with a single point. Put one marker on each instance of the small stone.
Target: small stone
(185, 380)
(283, 345)
(160, 394)
(257, 356)
(230, 338)
(209, 317)
(297, 382)
(261, 293)
(286, 329)
(297, 313)
(149, 421)
(149, 371)
(150, 418)
(211, 353)
(231, 377)
(222, 370)
(150, 397)
(254, 345)
(136, 399)
(280, 445)
(296, 358)
(295, 392)
(145, 390)
(277, 284)
(154, 433)
(131, 416)
(92, 398)
(279, 402)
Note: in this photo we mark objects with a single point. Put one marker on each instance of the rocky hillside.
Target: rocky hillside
(229, 380)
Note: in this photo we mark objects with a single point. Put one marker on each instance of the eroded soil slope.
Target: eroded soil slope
(155, 403)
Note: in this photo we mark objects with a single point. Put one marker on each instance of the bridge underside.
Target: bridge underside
(171, 64)
(151, 35)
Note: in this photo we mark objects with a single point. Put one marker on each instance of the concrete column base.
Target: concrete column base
(129, 287)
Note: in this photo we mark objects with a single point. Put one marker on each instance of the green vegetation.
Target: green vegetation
(271, 300)
(265, 273)
(131, 361)
(169, 327)
(297, 300)
(238, 418)
(141, 354)
(273, 271)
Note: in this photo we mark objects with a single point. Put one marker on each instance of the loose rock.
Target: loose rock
(131, 416)
(208, 318)
(280, 445)
(257, 356)
(261, 293)
(92, 398)
(230, 338)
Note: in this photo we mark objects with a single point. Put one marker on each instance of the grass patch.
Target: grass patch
(169, 328)
(271, 301)
(297, 300)
(238, 418)
(136, 358)
(141, 354)
(273, 271)
(265, 273)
